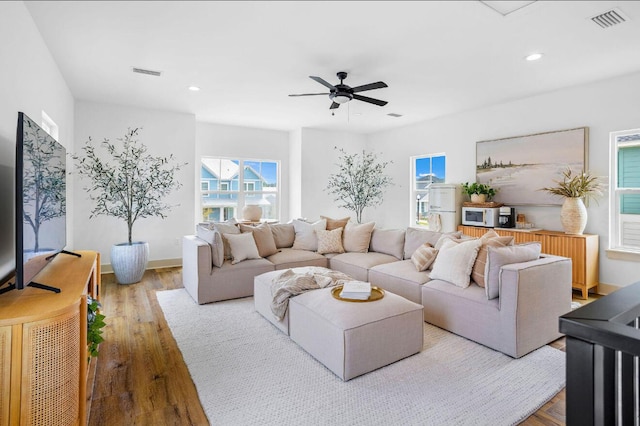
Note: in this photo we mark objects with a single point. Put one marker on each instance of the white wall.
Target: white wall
(319, 156)
(295, 175)
(164, 133)
(30, 81)
(604, 107)
(217, 140)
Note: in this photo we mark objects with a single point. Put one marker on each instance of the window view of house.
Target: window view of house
(625, 190)
(227, 185)
(426, 169)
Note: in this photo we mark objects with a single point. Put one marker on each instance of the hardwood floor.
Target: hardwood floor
(140, 375)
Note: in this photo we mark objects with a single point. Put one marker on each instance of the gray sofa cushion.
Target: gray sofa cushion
(357, 265)
(400, 278)
(291, 258)
(416, 237)
(388, 241)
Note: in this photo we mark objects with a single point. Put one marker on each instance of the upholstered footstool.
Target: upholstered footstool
(352, 339)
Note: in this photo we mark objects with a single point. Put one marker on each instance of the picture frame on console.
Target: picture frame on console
(519, 166)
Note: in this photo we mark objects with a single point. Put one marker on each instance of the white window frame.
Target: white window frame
(616, 248)
(415, 193)
(50, 126)
(225, 187)
(203, 184)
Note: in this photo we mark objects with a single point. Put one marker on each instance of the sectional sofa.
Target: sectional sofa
(515, 312)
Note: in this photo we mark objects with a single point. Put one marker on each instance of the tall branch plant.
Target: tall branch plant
(129, 183)
(360, 181)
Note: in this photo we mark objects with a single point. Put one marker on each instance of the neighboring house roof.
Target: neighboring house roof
(225, 169)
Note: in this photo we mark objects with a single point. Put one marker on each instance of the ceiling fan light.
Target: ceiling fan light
(341, 99)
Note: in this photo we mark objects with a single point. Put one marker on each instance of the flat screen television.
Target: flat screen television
(41, 225)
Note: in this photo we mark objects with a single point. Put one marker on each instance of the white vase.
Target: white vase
(252, 212)
(478, 198)
(129, 261)
(573, 216)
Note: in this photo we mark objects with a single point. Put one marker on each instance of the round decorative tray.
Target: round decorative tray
(376, 294)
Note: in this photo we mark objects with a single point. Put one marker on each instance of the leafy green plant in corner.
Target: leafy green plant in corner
(95, 323)
(478, 188)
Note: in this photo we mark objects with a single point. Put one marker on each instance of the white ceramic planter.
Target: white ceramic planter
(478, 198)
(129, 261)
(252, 212)
(573, 216)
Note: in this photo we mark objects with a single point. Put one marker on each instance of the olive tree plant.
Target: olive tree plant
(129, 183)
(359, 182)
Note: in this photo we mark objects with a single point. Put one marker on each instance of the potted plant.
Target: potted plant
(359, 183)
(95, 323)
(575, 187)
(479, 192)
(129, 184)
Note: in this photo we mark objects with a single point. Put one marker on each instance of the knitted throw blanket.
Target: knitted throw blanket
(291, 283)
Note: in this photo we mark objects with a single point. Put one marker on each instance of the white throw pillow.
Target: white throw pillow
(330, 241)
(357, 237)
(497, 257)
(306, 238)
(455, 261)
(243, 247)
(214, 239)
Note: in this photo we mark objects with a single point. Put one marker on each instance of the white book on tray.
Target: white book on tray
(359, 290)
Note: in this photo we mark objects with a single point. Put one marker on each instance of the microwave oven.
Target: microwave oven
(480, 216)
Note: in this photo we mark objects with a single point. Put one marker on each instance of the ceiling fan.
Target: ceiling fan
(341, 93)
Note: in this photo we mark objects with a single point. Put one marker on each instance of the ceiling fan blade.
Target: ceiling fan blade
(310, 94)
(370, 86)
(321, 81)
(370, 100)
(334, 105)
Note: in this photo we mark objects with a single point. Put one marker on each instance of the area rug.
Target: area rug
(247, 372)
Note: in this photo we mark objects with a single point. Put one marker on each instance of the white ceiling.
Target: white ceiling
(438, 57)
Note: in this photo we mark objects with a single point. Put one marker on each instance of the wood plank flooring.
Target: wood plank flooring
(141, 377)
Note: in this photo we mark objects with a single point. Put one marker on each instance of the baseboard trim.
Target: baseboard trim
(153, 264)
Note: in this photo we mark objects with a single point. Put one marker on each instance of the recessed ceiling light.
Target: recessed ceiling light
(357, 113)
(194, 88)
(534, 57)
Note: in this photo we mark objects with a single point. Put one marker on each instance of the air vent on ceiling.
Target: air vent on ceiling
(393, 114)
(610, 18)
(147, 72)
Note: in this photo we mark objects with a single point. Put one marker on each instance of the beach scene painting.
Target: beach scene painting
(518, 167)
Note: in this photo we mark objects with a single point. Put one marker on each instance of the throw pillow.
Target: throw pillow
(497, 257)
(477, 273)
(306, 238)
(454, 262)
(243, 247)
(415, 237)
(357, 237)
(330, 241)
(226, 228)
(264, 238)
(335, 223)
(214, 239)
(424, 256)
(284, 234)
(388, 241)
(456, 238)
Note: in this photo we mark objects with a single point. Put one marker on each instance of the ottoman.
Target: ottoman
(352, 339)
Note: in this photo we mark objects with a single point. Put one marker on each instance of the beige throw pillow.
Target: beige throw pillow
(424, 256)
(226, 228)
(477, 273)
(335, 223)
(284, 234)
(264, 238)
(454, 262)
(330, 241)
(306, 238)
(357, 237)
(243, 247)
(497, 257)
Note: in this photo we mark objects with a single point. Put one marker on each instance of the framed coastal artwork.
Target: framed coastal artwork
(518, 167)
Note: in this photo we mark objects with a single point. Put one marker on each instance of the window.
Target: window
(425, 170)
(204, 185)
(235, 183)
(49, 126)
(624, 191)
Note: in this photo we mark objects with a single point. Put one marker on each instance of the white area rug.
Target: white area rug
(249, 373)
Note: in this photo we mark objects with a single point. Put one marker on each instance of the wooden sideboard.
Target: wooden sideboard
(582, 249)
(43, 344)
